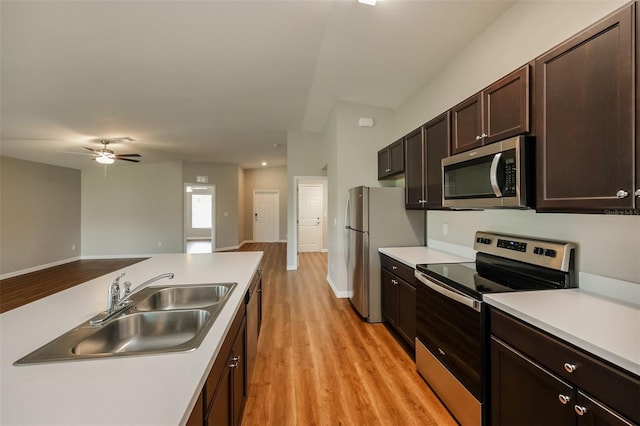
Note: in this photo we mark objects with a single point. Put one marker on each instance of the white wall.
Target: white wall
(608, 245)
(39, 214)
(133, 210)
(306, 156)
(352, 161)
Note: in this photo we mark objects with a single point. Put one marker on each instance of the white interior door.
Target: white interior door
(266, 216)
(309, 217)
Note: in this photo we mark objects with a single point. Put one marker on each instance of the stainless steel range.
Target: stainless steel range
(452, 321)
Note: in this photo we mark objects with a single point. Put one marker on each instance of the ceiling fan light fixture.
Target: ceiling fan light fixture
(105, 160)
(368, 2)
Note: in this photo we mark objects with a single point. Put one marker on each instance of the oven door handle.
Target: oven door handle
(493, 175)
(467, 301)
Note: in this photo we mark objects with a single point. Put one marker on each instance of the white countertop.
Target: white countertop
(602, 326)
(412, 256)
(137, 390)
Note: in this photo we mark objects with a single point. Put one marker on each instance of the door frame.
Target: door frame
(185, 214)
(294, 237)
(253, 203)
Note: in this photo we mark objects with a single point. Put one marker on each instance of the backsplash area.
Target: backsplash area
(608, 245)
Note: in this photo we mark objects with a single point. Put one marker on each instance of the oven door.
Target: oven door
(451, 325)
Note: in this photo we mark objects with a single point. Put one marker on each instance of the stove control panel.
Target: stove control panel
(547, 253)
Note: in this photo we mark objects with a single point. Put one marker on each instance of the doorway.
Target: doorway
(266, 215)
(310, 217)
(199, 218)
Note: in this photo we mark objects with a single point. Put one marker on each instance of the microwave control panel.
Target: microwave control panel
(509, 177)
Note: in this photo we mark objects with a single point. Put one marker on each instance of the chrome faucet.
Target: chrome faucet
(116, 303)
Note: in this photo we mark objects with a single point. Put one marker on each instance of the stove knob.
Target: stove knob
(550, 253)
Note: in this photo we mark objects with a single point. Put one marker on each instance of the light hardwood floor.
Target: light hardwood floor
(319, 364)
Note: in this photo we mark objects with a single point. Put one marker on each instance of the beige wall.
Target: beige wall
(265, 178)
(608, 245)
(133, 210)
(242, 209)
(226, 178)
(39, 214)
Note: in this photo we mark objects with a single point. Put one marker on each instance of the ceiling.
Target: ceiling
(213, 81)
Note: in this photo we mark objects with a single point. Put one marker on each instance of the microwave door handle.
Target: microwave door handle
(493, 175)
(467, 301)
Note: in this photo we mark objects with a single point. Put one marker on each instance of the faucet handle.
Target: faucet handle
(127, 289)
(117, 280)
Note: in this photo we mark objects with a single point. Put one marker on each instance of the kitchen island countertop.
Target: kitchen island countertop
(412, 256)
(605, 327)
(138, 390)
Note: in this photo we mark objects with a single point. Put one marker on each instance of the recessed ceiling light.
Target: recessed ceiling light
(264, 163)
(368, 2)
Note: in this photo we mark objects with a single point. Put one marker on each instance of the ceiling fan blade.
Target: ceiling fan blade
(129, 155)
(91, 149)
(78, 153)
(126, 159)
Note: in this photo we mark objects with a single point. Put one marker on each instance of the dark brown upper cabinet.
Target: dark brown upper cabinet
(391, 160)
(424, 150)
(500, 111)
(585, 112)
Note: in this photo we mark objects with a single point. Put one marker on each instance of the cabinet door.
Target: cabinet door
(197, 414)
(220, 409)
(406, 323)
(396, 155)
(506, 106)
(466, 125)
(389, 297)
(383, 163)
(592, 412)
(523, 393)
(413, 170)
(437, 136)
(239, 375)
(585, 114)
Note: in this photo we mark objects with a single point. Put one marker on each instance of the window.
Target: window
(201, 211)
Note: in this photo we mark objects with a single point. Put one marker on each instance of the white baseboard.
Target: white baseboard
(38, 268)
(324, 251)
(228, 248)
(338, 294)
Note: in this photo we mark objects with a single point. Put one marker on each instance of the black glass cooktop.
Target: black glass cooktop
(476, 279)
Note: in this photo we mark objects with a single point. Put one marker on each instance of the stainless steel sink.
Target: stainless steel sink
(160, 320)
(144, 332)
(184, 297)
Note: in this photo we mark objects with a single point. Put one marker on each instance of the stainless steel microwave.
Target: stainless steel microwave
(498, 175)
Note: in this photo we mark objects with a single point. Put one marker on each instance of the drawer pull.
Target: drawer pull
(569, 368)
(394, 267)
(394, 282)
(564, 399)
(581, 411)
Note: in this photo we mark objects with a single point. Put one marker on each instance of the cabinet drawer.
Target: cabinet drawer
(398, 268)
(618, 388)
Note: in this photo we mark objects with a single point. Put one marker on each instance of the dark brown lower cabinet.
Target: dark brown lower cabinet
(229, 394)
(538, 379)
(399, 299)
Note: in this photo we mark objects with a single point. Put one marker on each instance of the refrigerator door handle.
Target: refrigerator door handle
(347, 237)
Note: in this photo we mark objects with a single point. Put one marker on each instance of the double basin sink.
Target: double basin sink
(159, 320)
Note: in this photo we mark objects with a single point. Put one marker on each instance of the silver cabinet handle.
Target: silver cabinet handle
(637, 193)
(484, 135)
(394, 267)
(478, 138)
(387, 170)
(581, 411)
(235, 361)
(622, 193)
(424, 201)
(394, 282)
(564, 399)
(569, 368)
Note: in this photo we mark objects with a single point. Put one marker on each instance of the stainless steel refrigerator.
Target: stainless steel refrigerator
(374, 218)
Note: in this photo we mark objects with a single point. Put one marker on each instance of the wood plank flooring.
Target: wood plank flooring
(318, 363)
(27, 288)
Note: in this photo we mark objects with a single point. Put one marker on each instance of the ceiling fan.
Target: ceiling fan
(106, 156)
